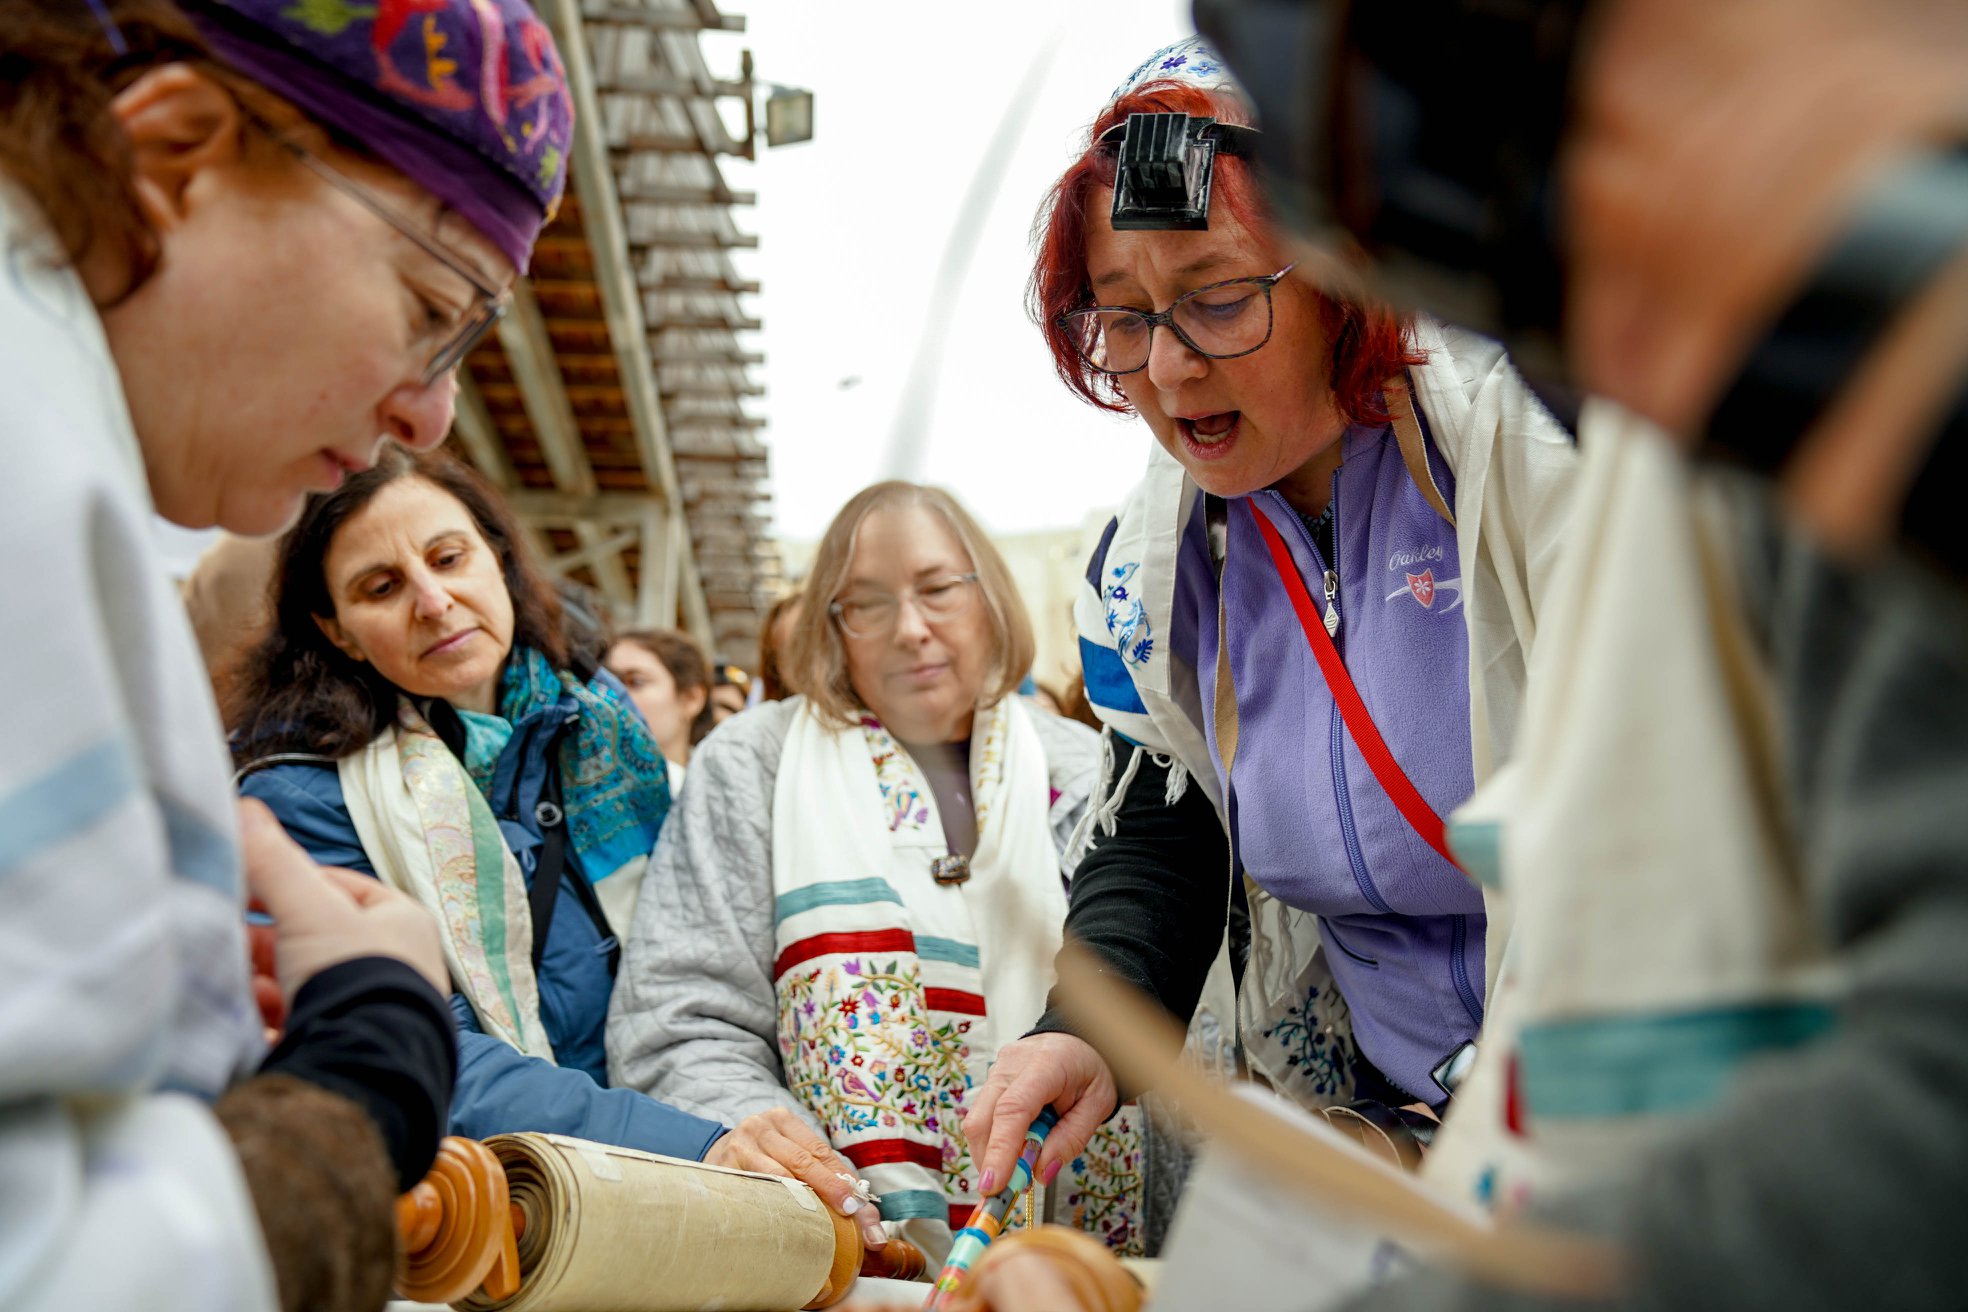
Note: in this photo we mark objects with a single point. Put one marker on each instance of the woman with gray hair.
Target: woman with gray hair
(859, 897)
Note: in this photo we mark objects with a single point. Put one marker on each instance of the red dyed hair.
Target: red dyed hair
(1369, 341)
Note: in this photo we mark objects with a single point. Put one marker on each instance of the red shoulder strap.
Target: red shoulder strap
(1366, 734)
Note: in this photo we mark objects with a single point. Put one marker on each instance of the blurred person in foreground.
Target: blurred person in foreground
(669, 680)
(216, 305)
(862, 888)
(416, 716)
(1748, 1065)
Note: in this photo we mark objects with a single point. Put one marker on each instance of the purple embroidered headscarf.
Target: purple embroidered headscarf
(467, 98)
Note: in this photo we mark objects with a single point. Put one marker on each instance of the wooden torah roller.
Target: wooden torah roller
(545, 1223)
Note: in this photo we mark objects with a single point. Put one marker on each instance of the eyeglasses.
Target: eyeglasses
(472, 326)
(875, 614)
(1222, 321)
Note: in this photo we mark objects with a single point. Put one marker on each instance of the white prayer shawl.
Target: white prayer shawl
(1640, 831)
(1514, 471)
(882, 974)
(429, 832)
(123, 968)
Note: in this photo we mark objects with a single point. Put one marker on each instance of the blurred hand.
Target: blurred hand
(780, 1143)
(1044, 1068)
(261, 942)
(1048, 1269)
(323, 916)
(1716, 151)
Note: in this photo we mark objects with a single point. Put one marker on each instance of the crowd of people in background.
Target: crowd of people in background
(1559, 820)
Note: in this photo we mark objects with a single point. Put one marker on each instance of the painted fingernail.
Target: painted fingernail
(1052, 1172)
(987, 1184)
(851, 1206)
(874, 1234)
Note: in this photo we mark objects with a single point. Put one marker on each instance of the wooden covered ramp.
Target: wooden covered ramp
(610, 403)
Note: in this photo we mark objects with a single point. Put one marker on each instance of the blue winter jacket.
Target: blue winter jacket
(499, 1089)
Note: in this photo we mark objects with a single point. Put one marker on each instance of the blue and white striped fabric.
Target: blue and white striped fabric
(122, 961)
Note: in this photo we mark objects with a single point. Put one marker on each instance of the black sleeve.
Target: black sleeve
(1151, 897)
(374, 1031)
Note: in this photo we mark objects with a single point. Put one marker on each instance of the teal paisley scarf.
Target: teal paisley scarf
(614, 785)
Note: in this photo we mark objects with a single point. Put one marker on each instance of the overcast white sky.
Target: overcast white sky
(853, 228)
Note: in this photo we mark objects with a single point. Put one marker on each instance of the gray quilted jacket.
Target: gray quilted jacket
(693, 1021)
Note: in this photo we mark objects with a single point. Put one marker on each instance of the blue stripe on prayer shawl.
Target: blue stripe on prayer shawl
(913, 1204)
(835, 893)
(65, 801)
(946, 949)
(1108, 683)
(1478, 844)
(199, 852)
(1634, 1065)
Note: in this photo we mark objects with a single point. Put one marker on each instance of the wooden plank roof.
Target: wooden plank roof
(611, 403)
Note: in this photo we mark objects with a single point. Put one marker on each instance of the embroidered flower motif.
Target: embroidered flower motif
(1175, 61)
(876, 1059)
(904, 798)
(1127, 618)
(1103, 1188)
(1313, 1047)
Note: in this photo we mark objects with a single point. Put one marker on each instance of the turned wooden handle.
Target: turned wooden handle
(457, 1229)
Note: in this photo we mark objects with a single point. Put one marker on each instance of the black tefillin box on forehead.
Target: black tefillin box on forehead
(1164, 165)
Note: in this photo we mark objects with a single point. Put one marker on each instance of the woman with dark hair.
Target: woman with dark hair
(669, 680)
(1307, 631)
(415, 716)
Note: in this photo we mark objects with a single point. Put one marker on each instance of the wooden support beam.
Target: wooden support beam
(671, 143)
(686, 239)
(530, 352)
(705, 355)
(569, 508)
(612, 545)
(480, 438)
(669, 84)
(659, 194)
(714, 389)
(673, 20)
(739, 325)
(732, 286)
(593, 175)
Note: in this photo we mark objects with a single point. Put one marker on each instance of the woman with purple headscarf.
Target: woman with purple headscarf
(246, 243)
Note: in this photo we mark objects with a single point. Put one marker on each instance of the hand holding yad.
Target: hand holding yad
(779, 1143)
(1041, 1070)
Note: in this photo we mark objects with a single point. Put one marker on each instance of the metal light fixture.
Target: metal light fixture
(788, 116)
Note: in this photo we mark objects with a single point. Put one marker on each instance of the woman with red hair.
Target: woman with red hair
(1307, 629)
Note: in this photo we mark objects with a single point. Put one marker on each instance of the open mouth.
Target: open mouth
(1210, 437)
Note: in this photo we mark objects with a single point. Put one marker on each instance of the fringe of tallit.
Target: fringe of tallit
(1103, 810)
(1178, 778)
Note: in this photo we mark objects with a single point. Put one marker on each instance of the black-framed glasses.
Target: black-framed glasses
(471, 327)
(1222, 321)
(874, 614)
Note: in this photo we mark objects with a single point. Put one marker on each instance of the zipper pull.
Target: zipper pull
(1332, 604)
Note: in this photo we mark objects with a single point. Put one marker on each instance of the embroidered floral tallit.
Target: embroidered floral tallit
(882, 975)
